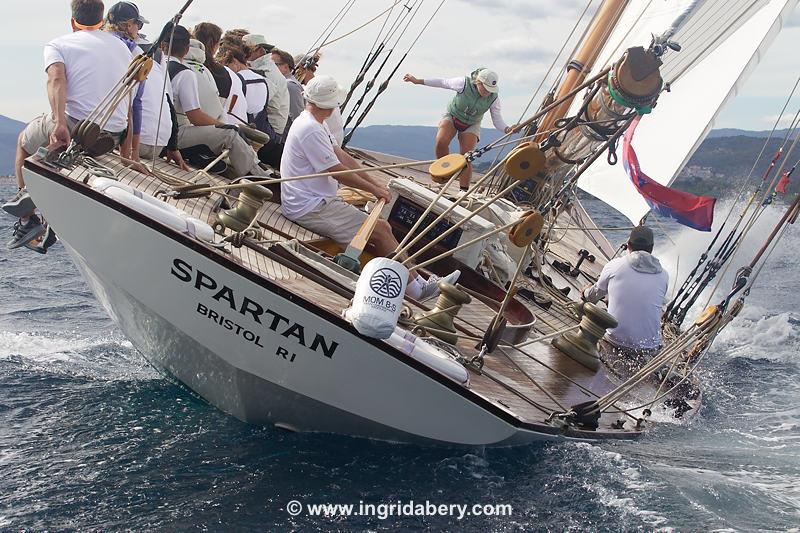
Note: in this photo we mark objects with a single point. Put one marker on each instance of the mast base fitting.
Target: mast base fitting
(439, 320)
(582, 344)
(241, 215)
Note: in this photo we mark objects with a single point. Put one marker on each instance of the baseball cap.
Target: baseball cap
(122, 11)
(641, 237)
(255, 39)
(324, 92)
(489, 80)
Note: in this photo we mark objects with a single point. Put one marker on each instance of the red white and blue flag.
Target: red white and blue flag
(688, 209)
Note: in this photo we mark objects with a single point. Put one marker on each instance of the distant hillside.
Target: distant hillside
(733, 132)
(717, 167)
(9, 131)
(720, 164)
(413, 142)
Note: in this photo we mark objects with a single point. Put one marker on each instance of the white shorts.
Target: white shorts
(334, 218)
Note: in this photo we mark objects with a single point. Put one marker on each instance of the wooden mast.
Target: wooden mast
(603, 24)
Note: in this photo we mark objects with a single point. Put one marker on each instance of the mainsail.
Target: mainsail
(722, 42)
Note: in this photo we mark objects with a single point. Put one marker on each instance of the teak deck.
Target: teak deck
(510, 385)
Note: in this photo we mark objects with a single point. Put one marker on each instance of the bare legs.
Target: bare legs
(22, 155)
(466, 143)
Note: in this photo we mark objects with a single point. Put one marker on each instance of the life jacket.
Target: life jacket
(468, 106)
(260, 120)
(209, 99)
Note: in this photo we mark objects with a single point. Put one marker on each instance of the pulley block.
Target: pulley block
(445, 167)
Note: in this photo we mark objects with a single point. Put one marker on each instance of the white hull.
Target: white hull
(293, 365)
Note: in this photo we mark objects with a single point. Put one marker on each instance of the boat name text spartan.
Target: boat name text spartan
(249, 308)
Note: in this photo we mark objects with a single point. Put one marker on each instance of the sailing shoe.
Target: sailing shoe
(45, 241)
(25, 233)
(430, 287)
(21, 205)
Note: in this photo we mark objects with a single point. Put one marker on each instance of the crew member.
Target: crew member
(635, 285)
(312, 203)
(285, 63)
(201, 128)
(306, 68)
(75, 86)
(475, 95)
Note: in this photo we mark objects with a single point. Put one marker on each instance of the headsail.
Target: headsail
(722, 42)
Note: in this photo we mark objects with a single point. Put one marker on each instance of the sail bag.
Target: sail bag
(379, 297)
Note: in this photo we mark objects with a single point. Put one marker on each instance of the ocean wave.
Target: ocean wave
(759, 334)
(105, 357)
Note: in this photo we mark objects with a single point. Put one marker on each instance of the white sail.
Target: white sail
(722, 43)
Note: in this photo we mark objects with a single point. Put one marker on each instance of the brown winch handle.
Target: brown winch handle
(361, 239)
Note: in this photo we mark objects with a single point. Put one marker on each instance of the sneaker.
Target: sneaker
(43, 242)
(430, 287)
(25, 233)
(21, 205)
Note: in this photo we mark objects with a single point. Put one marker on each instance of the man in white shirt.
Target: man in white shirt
(313, 203)
(636, 286)
(475, 94)
(81, 67)
(202, 129)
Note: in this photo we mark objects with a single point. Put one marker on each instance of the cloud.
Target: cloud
(785, 121)
(532, 10)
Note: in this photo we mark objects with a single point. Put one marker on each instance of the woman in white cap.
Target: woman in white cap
(313, 203)
(475, 95)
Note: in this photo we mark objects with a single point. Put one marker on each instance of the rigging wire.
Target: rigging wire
(367, 23)
(669, 313)
(549, 71)
(385, 83)
(731, 245)
(369, 60)
(371, 83)
(330, 28)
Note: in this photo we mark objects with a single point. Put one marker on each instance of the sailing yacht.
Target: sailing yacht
(254, 313)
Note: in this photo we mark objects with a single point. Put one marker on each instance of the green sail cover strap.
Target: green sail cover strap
(469, 106)
(618, 98)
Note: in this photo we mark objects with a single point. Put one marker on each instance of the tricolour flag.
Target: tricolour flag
(688, 209)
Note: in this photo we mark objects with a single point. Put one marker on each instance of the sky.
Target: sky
(517, 38)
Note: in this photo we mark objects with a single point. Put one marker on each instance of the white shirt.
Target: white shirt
(210, 102)
(239, 101)
(154, 102)
(256, 92)
(94, 61)
(457, 85)
(278, 105)
(308, 150)
(636, 286)
(335, 123)
(184, 93)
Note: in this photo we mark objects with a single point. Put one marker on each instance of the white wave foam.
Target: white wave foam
(103, 356)
(758, 334)
(636, 489)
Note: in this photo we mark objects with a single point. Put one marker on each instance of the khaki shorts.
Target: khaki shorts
(475, 129)
(335, 219)
(37, 133)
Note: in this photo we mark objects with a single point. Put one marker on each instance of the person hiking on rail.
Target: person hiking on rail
(476, 94)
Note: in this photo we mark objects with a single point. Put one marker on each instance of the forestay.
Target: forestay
(722, 42)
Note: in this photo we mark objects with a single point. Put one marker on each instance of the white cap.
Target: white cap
(488, 79)
(255, 39)
(324, 92)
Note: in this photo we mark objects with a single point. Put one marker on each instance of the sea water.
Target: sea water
(91, 437)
